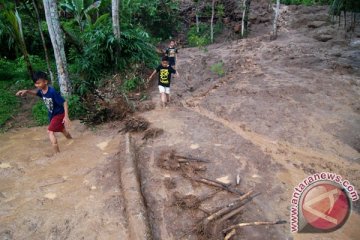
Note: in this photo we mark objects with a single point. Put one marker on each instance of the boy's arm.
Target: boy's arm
(24, 92)
(66, 121)
(148, 80)
(152, 74)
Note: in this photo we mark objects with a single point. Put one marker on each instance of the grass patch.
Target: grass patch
(9, 105)
(218, 68)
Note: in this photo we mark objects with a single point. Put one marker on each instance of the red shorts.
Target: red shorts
(56, 123)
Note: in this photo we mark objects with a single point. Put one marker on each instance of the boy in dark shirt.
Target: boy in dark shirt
(171, 52)
(57, 107)
(165, 71)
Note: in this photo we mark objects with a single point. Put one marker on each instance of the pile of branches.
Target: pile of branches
(219, 223)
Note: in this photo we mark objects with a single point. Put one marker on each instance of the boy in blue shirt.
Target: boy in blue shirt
(57, 107)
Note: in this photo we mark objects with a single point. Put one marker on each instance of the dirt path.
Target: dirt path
(73, 195)
(284, 110)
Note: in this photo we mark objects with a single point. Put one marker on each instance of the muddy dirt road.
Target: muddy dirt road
(73, 195)
(282, 111)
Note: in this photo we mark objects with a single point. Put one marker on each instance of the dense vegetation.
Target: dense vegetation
(93, 52)
(90, 46)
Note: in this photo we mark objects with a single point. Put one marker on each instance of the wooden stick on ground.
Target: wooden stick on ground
(231, 214)
(253, 224)
(216, 184)
(190, 158)
(230, 234)
(236, 204)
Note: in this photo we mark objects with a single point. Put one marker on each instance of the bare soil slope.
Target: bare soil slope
(283, 110)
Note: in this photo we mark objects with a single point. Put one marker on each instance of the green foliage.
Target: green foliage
(159, 17)
(132, 84)
(81, 10)
(99, 56)
(15, 71)
(40, 113)
(202, 38)
(218, 68)
(341, 5)
(220, 10)
(8, 104)
(76, 107)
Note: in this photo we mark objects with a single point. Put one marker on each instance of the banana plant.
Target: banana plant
(81, 10)
(13, 27)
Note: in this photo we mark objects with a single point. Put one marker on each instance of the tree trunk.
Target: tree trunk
(115, 18)
(43, 41)
(116, 26)
(245, 17)
(277, 9)
(212, 21)
(57, 40)
(197, 23)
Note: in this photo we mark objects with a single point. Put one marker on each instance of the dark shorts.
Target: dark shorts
(172, 61)
(56, 124)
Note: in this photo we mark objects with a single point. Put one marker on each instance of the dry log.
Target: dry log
(204, 211)
(231, 214)
(230, 234)
(190, 158)
(217, 184)
(228, 208)
(252, 224)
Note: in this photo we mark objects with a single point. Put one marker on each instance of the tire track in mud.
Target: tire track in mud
(279, 150)
(267, 145)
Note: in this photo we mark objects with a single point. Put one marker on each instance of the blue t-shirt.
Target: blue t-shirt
(53, 101)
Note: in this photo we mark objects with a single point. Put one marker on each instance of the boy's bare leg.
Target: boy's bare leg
(163, 99)
(66, 134)
(168, 98)
(53, 141)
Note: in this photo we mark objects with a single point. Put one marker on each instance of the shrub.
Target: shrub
(132, 84)
(218, 68)
(8, 105)
(76, 107)
(40, 113)
(202, 38)
(100, 56)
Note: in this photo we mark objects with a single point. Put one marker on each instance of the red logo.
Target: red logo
(326, 207)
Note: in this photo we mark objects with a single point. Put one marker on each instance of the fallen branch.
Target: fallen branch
(190, 158)
(228, 208)
(252, 224)
(230, 234)
(204, 211)
(217, 184)
(53, 183)
(231, 214)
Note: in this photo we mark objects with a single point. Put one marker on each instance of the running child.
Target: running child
(165, 71)
(171, 53)
(57, 107)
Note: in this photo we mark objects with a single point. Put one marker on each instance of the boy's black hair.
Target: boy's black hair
(39, 75)
(165, 58)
